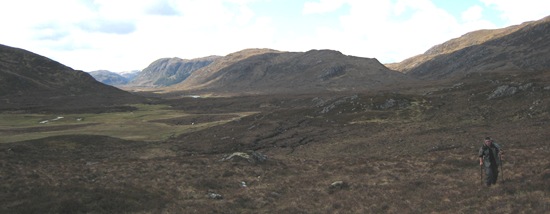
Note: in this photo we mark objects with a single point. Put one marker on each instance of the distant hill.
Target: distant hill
(267, 71)
(519, 47)
(169, 71)
(130, 75)
(28, 80)
(109, 77)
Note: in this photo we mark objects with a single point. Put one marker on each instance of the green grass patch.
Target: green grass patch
(134, 125)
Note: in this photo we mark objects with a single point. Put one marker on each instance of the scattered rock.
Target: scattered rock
(336, 103)
(503, 91)
(535, 104)
(458, 85)
(526, 86)
(320, 102)
(547, 88)
(338, 185)
(392, 103)
(236, 156)
(89, 163)
(215, 196)
(258, 157)
(388, 104)
(275, 194)
(333, 71)
(250, 156)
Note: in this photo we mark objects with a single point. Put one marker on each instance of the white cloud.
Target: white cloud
(516, 12)
(322, 6)
(473, 13)
(127, 34)
(389, 30)
(162, 8)
(393, 30)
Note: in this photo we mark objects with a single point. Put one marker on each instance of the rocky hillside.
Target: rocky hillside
(109, 77)
(520, 47)
(169, 71)
(265, 71)
(29, 80)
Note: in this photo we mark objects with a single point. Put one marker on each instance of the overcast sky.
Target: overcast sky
(123, 35)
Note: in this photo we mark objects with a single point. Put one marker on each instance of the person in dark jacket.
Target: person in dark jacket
(490, 156)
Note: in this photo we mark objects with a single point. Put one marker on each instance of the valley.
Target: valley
(142, 122)
(392, 152)
(265, 131)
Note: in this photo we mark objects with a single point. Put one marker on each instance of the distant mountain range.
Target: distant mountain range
(253, 71)
(26, 77)
(112, 78)
(261, 71)
(162, 72)
(130, 75)
(519, 47)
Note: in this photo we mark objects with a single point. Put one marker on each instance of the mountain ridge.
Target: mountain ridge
(270, 71)
(261, 71)
(484, 50)
(168, 71)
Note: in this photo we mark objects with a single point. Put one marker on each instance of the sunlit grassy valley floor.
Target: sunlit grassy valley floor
(142, 122)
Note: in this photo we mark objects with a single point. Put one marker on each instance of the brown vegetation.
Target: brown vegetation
(255, 72)
(520, 47)
(30, 82)
(409, 151)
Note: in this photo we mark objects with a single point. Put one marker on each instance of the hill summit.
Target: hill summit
(518, 47)
(265, 71)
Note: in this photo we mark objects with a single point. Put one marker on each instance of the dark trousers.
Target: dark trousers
(492, 174)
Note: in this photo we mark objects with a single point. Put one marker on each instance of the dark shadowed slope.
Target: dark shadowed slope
(28, 80)
(521, 47)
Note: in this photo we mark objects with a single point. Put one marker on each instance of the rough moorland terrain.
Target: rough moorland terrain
(363, 152)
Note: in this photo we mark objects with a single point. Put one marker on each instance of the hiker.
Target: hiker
(490, 156)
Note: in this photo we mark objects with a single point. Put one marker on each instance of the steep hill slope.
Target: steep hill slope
(521, 47)
(265, 71)
(109, 77)
(28, 80)
(208, 73)
(169, 71)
